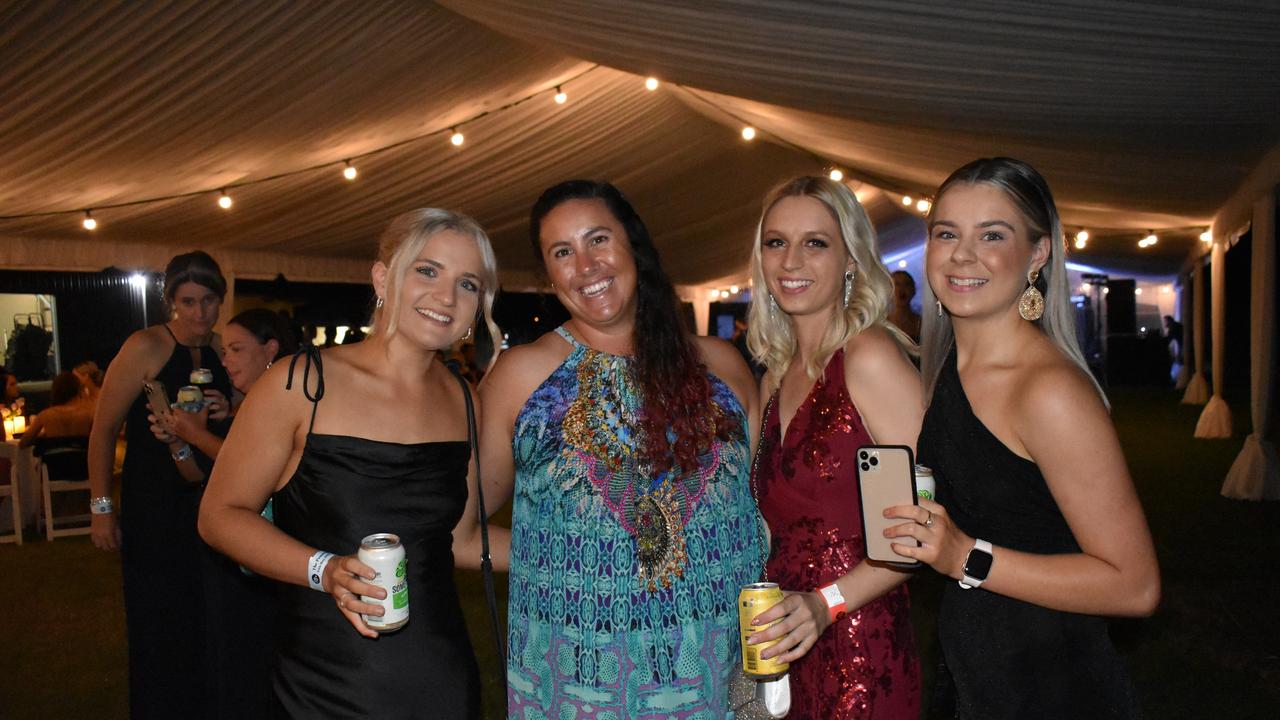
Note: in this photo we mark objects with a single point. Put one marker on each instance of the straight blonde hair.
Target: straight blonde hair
(770, 334)
(405, 239)
(1030, 193)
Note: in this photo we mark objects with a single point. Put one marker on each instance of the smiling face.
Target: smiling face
(980, 250)
(195, 308)
(803, 256)
(440, 291)
(588, 259)
(244, 357)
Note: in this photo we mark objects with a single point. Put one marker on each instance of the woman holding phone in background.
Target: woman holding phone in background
(839, 377)
(1036, 516)
(156, 530)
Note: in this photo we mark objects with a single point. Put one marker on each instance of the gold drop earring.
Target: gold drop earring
(1031, 304)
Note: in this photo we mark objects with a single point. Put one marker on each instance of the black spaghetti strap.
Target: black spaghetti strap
(312, 354)
(486, 562)
(166, 329)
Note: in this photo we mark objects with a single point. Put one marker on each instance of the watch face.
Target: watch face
(978, 564)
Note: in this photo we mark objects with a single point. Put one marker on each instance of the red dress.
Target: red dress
(865, 665)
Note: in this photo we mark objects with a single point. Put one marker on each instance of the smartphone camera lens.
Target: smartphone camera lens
(875, 461)
(862, 454)
(865, 467)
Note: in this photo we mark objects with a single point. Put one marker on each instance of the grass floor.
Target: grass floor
(1212, 650)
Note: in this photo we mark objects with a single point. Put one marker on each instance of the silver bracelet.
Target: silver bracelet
(182, 453)
(101, 505)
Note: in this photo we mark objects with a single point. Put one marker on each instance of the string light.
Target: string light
(224, 200)
(1085, 288)
(1149, 240)
(715, 294)
(1137, 291)
(456, 138)
(734, 289)
(923, 205)
(902, 263)
(651, 84)
(1082, 237)
(748, 133)
(1206, 236)
(349, 172)
(836, 174)
(89, 223)
(906, 200)
(561, 97)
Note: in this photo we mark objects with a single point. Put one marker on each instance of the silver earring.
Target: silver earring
(269, 363)
(939, 302)
(773, 304)
(468, 335)
(378, 304)
(848, 286)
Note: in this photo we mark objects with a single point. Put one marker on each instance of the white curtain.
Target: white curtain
(1255, 475)
(1215, 420)
(1197, 389)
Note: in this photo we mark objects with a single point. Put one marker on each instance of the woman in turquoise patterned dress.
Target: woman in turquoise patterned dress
(633, 526)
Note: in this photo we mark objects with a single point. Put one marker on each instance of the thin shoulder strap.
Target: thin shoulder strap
(568, 336)
(166, 329)
(486, 562)
(313, 357)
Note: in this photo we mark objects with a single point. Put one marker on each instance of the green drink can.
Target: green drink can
(925, 487)
(384, 553)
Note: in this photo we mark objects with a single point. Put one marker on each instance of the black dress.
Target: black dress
(164, 562)
(346, 488)
(1009, 658)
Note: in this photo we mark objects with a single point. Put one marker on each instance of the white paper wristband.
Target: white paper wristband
(315, 569)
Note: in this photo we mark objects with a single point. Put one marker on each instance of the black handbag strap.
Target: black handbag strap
(486, 563)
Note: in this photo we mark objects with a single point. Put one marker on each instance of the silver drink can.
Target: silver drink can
(384, 553)
(925, 487)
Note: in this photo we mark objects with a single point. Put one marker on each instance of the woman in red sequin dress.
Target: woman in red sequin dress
(838, 377)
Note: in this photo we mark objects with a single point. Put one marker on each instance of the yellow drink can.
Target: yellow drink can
(753, 600)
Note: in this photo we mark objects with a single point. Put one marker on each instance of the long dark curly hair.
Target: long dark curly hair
(674, 385)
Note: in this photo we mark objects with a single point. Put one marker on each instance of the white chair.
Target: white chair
(10, 490)
(63, 468)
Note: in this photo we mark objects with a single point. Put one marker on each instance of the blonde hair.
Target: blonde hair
(1030, 193)
(770, 335)
(405, 239)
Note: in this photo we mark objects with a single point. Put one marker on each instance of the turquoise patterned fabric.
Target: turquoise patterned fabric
(601, 625)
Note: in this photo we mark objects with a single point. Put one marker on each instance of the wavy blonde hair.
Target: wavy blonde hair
(404, 240)
(770, 334)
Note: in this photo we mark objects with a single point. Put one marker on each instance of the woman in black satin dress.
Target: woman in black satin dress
(363, 439)
(1036, 516)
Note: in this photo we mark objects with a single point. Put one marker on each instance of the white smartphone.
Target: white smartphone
(157, 398)
(886, 477)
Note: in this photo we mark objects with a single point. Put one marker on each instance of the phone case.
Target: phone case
(886, 477)
(157, 398)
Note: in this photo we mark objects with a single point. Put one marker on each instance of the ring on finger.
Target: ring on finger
(929, 521)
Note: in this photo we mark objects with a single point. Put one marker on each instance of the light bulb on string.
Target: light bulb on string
(88, 222)
(923, 205)
(714, 294)
(1082, 236)
(651, 84)
(349, 172)
(561, 98)
(906, 200)
(224, 200)
(456, 138)
(1206, 236)
(836, 174)
(748, 133)
(734, 289)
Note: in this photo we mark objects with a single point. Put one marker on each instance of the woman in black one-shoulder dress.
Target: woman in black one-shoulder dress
(364, 439)
(1036, 517)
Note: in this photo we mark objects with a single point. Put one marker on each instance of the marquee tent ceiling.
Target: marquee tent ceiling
(1141, 115)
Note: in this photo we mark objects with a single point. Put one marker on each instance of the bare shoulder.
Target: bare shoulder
(872, 352)
(726, 363)
(144, 352)
(279, 391)
(1052, 392)
(520, 370)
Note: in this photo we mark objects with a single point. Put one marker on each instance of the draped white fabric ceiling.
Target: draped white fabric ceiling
(1142, 115)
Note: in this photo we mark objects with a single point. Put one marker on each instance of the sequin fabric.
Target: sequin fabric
(623, 586)
(865, 665)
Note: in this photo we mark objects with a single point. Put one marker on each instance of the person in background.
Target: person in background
(9, 392)
(66, 416)
(363, 439)
(90, 377)
(627, 439)
(1036, 516)
(161, 555)
(239, 607)
(839, 377)
(901, 314)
